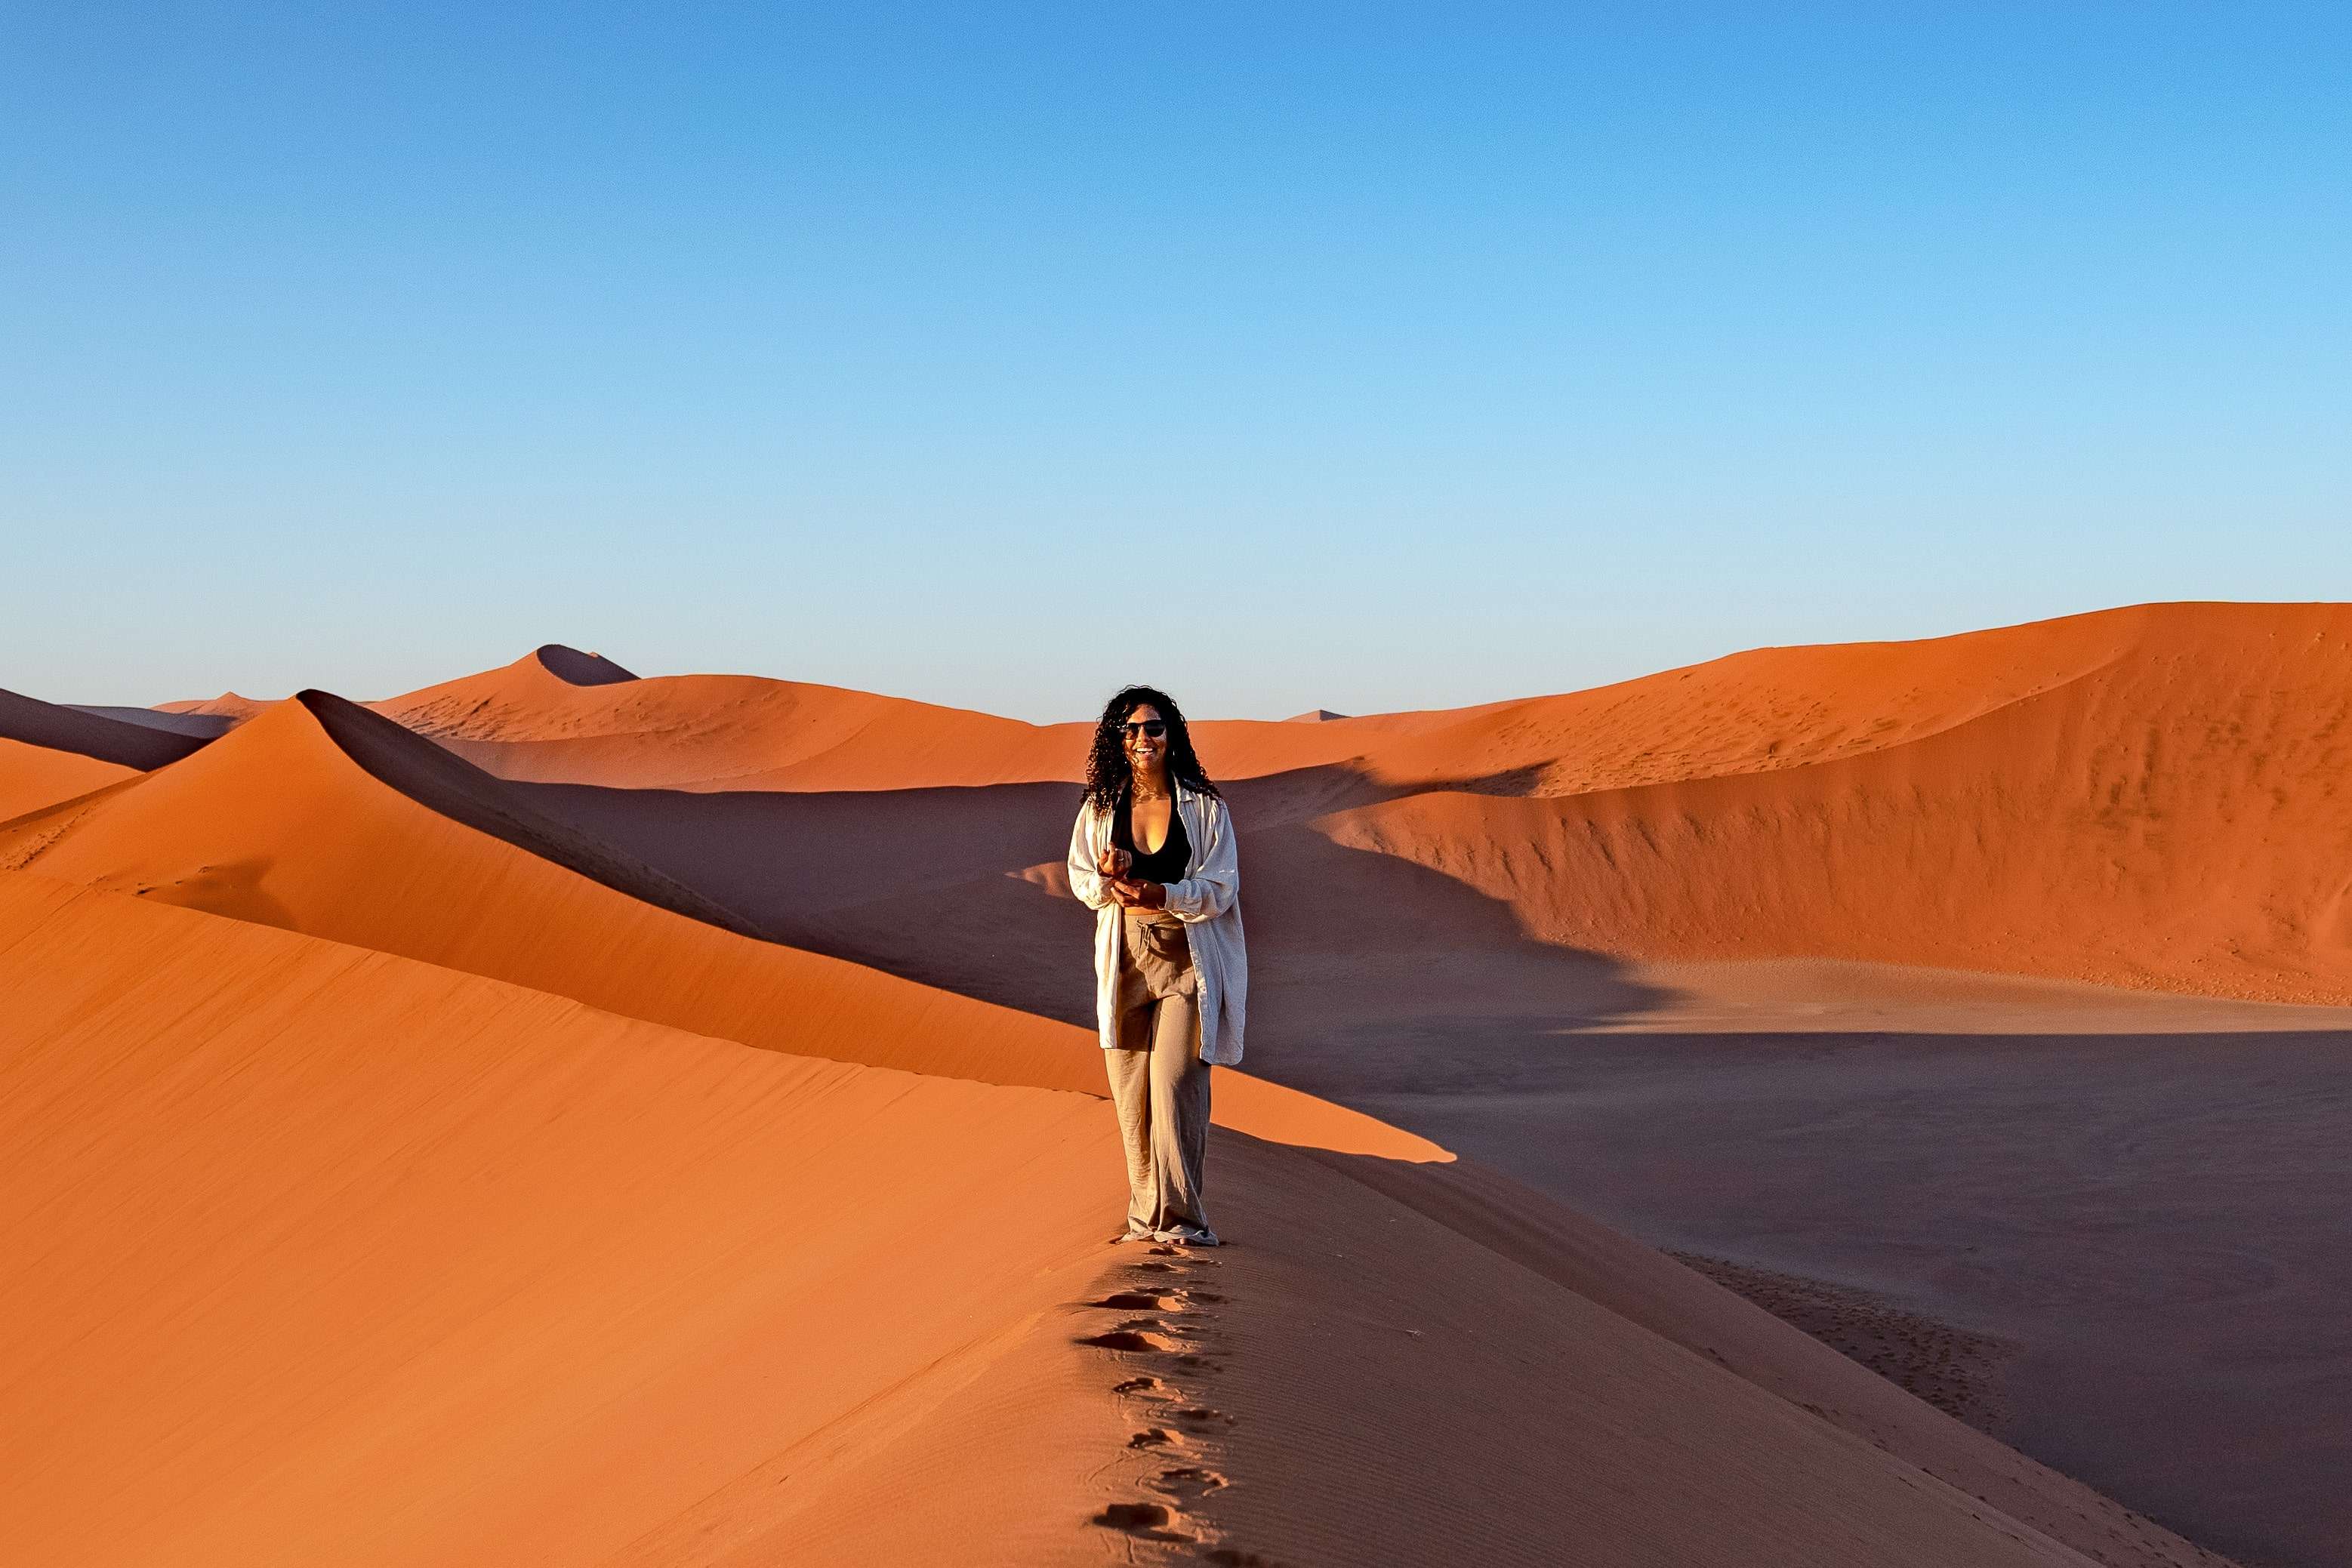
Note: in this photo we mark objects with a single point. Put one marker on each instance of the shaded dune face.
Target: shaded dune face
(203, 725)
(466, 794)
(50, 752)
(31, 722)
(2143, 797)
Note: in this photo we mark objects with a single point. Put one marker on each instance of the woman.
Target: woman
(1152, 853)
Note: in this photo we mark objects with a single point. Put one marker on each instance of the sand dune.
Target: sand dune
(1449, 911)
(2059, 800)
(203, 725)
(319, 1254)
(31, 722)
(1443, 914)
(34, 776)
(280, 822)
(2167, 817)
(51, 752)
(229, 706)
(528, 721)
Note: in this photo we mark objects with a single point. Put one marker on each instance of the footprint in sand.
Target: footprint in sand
(1155, 1437)
(1149, 1521)
(1141, 1301)
(1140, 1340)
(1201, 1416)
(1190, 1483)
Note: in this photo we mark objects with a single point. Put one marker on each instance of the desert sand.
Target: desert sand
(1975, 1004)
(322, 1254)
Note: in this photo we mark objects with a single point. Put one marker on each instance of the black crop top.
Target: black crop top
(1165, 863)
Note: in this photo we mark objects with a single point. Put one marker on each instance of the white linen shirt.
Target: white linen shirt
(1208, 901)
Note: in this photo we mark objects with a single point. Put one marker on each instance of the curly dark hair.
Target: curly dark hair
(1108, 777)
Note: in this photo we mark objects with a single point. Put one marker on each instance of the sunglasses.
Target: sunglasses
(1154, 727)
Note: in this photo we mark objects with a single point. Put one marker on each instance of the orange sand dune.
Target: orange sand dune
(538, 720)
(277, 822)
(315, 1254)
(33, 776)
(2170, 815)
(228, 706)
(49, 752)
(532, 720)
(2141, 797)
(1769, 708)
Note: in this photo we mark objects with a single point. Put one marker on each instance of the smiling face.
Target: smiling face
(1146, 751)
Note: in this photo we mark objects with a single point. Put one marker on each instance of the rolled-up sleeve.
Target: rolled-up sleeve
(1084, 881)
(1210, 891)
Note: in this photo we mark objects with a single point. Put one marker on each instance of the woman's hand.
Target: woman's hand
(1113, 861)
(1139, 895)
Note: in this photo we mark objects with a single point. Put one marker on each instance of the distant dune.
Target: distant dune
(2144, 798)
(202, 726)
(51, 752)
(53, 727)
(228, 706)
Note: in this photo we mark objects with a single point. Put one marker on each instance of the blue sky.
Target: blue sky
(1358, 356)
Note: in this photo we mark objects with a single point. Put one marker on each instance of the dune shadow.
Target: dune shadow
(961, 888)
(127, 744)
(443, 782)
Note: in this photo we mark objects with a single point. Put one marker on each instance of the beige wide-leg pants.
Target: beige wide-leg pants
(1158, 1084)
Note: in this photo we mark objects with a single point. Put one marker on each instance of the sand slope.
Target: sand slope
(322, 1255)
(2142, 797)
(50, 752)
(531, 720)
(203, 725)
(277, 822)
(34, 776)
(53, 725)
(315, 1255)
(228, 706)
(2170, 816)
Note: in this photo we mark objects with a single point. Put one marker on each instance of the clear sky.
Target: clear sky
(1351, 356)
